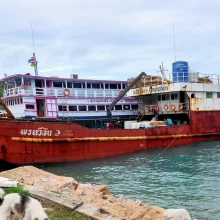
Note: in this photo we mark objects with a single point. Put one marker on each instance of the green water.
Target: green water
(182, 177)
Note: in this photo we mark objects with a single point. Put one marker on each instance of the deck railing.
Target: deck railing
(192, 77)
(59, 92)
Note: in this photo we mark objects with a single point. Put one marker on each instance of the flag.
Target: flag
(33, 62)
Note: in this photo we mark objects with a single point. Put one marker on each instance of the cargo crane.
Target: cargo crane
(110, 107)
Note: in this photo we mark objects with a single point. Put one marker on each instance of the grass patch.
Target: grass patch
(19, 189)
(56, 212)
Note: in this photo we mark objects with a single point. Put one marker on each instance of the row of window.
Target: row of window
(174, 96)
(29, 106)
(89, 85)
(165, 97)
(75, 108)
(210, 95)
(11, 102)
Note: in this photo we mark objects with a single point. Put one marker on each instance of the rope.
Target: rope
(168, 145)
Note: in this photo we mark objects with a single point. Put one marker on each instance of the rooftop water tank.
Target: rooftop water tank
(180, 71)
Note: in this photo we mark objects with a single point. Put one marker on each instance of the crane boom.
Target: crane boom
(118, 98)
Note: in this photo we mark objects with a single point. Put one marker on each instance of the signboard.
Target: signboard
(150, 90)
(41, 132)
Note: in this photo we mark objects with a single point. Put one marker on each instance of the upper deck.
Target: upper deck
(155, 85)
(200, 93)
(29, 85)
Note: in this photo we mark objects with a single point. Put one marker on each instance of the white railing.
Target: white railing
(194, 77)
(76, 93)
(191, 77)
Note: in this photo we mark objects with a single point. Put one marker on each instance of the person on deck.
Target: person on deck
(110, 125)
(169, 121)
(118, 123)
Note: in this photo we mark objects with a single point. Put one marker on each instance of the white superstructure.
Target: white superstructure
(53, 97)
(200, 93)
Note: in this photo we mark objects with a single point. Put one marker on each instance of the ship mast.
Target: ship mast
(35, 59)
(174, 43)
(162, 69)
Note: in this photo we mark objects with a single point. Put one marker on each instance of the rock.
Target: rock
(5, 182)
(176, 214)
(105, 197)
(30, 175)
(103, 189)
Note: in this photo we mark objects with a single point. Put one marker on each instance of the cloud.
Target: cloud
(98, 77)
(58, 68)
(107, 38)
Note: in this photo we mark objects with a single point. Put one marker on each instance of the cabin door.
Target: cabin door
(51, 108)
(182, 97)
(40, 107)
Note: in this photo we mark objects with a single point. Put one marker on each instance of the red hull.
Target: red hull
(43, 142)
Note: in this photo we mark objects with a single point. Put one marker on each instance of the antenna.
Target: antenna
(35, 59)
(174, 43)
(162, 69)
(32, 32)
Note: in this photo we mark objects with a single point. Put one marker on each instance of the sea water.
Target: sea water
(182, 177)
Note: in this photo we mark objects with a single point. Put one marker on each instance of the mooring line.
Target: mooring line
(167, 146)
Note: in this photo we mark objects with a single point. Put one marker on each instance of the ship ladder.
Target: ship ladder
(140, 115)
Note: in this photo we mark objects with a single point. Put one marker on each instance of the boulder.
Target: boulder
(176, 214)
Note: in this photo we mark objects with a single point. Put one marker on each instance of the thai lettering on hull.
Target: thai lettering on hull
(68, 133)
(39, 132)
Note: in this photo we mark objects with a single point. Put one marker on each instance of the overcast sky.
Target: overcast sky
(108, 39)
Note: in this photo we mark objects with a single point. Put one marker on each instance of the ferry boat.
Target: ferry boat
(82, 100)
(191, 100)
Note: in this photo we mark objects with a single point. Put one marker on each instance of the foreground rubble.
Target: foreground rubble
(97, 195)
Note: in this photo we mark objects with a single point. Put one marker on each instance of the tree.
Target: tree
(1, 89)
(1, 92)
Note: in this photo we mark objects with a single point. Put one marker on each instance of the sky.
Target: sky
(108, 39)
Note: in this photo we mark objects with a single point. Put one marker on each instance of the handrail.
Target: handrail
(59, 92)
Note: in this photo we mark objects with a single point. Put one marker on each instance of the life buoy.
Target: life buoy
(150, 108)
(173, 107)
(156, 108)
(120, 91)
(7, 93)
(66, 92)
(180, 107)
(165, 107)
